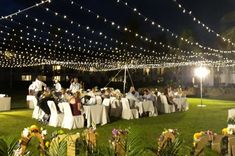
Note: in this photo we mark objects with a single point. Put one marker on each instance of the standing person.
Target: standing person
(75, 86)
(39, 87)
(57, 85)
(32, 88)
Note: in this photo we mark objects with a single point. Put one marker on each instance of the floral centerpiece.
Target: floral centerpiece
(169, 143)
(89, 137)
(167, 135)
(199, 135)
(119, 140)
(201, 140)
(26, 135)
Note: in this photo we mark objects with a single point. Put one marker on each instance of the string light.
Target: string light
(199, 22)
(144, 38)
(31, 46)
(26, 9)
(168, 31)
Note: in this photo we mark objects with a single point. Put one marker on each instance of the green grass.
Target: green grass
(212, 117)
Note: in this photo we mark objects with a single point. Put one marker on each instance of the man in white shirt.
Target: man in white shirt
(75, 86)
(32, 88)
(39, 87)
(57, 86)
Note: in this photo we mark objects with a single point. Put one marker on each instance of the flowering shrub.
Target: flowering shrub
(26, 136)
(169, 143)
(119, 141)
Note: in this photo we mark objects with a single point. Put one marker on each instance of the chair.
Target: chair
(37, 112)
(116, 109)
(55, 118)
(231, 113)
(98, 100)
(30, 101)
(106, 102)
(70, 121)
(128, 113)
(165, 107)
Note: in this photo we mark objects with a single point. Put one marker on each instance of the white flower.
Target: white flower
(44, 132)
(25, 132)
(230, 131)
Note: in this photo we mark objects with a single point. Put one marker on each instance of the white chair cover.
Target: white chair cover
(30, 102)
(37, 112)
(112, 99)
(70, 121)
(55, 118)
(116, 108)
(106, 102)
(128, 113)
(98, 100)
(231, 113)
(165, 107)
(149, 107)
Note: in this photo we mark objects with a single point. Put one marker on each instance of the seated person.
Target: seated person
(42, 103)
(147, 95)
(134, 92)
(75, 104)
(169, 97)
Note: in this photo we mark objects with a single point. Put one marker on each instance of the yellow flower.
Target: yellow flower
(196, 136)
(47, 144)
(225, 131)
(34, 128)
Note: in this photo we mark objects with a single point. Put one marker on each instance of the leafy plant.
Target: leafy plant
(171, 148)
(7, 146)
(126, 143)
(57, 148)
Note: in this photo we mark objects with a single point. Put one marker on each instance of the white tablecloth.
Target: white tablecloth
(182, 103)
(29, 100)
(5, 103)
(149, 107)
(96, 114)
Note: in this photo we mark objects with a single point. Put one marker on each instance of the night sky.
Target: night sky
(163, 12)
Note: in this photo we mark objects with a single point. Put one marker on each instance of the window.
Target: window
(57, 78)
(26, 77)
(56, 67)
(43, 78)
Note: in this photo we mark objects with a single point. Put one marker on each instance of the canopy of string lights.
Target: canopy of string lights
(106, 35)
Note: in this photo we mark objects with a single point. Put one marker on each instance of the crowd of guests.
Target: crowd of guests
(58, 94)
(76, 96)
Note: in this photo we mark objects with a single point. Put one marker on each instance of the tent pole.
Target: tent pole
(124, 81)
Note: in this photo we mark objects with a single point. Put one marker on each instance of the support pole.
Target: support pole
(124, 81)
(201, 89)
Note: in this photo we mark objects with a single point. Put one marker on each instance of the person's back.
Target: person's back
(75, 104)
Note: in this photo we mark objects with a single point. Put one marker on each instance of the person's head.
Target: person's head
(75, 80)
(102, 91)
(133, 92)
(56, 81)
(63, 91)
(132, 88)
(146, 92)
(77, 94)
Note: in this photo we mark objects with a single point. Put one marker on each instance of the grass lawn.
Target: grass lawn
(212, 117)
